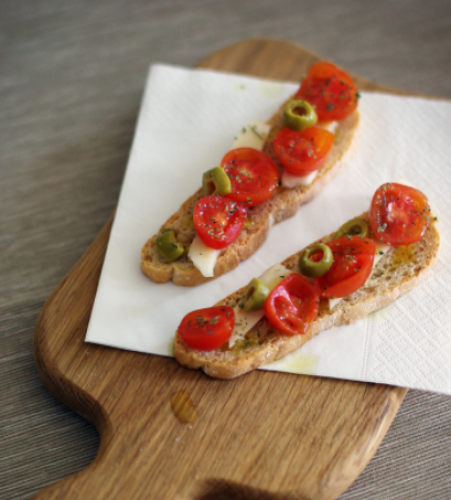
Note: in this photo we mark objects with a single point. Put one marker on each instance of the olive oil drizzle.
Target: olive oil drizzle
(183, 407)
(404, 255)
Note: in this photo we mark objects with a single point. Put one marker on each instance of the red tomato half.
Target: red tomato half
(353, 262)
(218, 220)
(253, 175)
(399, 215)
(330, 91)
(292, 305)
(303, 152)
(207, 329)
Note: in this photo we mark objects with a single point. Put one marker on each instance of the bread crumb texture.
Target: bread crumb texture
(282, 205)
(397, 272)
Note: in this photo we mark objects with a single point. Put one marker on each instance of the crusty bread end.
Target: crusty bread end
(397, 272)
(282, 205)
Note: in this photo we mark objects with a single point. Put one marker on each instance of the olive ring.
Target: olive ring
(354, 227)
(314, 269)
(168, 246)
(255, 295)
(216, 181)
(299, 120)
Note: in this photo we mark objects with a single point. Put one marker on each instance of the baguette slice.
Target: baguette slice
(283, 204)
(397, 272)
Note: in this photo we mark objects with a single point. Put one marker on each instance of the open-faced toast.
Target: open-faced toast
(283, 204)
(397, 271)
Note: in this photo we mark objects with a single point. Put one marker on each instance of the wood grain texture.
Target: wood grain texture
(71, 81)
(264, 435)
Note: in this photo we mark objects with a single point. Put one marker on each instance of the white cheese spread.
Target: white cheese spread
(291, 181)
(203, 257)
(253, 135)
(245, 320)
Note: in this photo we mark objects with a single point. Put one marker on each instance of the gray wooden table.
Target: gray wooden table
(71, 78)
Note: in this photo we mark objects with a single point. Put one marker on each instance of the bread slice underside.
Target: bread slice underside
(398, 271)
(283, 204)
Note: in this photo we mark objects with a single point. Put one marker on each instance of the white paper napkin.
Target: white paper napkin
(187, 122)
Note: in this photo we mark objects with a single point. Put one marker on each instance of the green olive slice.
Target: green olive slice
(298, 115)
(313, 268)
(254, 295)
(168, 246)
(216, 181)
(354, 227)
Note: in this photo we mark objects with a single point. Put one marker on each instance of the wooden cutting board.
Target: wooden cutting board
(167, 432)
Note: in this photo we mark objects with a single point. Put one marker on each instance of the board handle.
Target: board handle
(266, 435)
(168, 432)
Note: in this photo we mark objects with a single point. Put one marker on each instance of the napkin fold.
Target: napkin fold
(187, 122)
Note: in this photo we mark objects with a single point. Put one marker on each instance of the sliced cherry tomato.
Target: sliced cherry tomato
(399, 215)
(330, 90)
(218, 220)
(207, 329)
(303, 152)
(292, 305)
(353, 262)
(253, 175)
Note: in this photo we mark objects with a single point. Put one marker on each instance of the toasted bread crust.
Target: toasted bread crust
(282, 205)
(398, 272)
